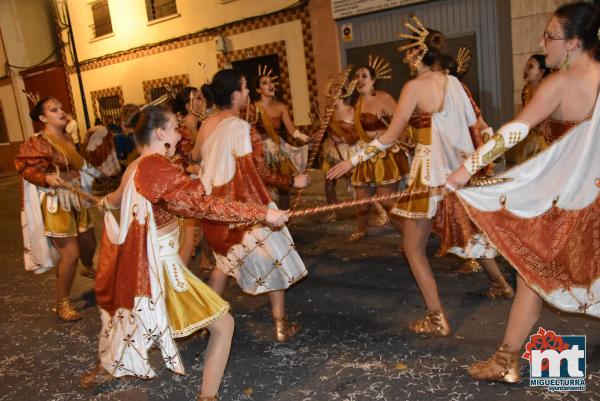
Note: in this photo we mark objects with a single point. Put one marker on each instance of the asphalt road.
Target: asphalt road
(354, 308)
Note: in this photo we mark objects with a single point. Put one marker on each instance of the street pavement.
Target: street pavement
(354, 308)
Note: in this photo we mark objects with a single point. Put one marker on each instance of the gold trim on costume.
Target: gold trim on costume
(498, 149)
(267, 124)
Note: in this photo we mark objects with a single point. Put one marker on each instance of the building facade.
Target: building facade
(129, 50)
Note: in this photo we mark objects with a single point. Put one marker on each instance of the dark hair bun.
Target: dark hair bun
(435, 42)
(223, 84)
(208, 94)
(38, 108)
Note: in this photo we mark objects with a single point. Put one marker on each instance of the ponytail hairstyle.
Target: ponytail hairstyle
(436, 42)
(447, 62)
(582, 21)
(129, 110)
(145, 121)
(38, 109)
(541, 60)
(181, 101)
(223, 85)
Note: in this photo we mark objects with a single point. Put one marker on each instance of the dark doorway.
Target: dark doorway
(249, 67)
(48, 80)
(400, 72)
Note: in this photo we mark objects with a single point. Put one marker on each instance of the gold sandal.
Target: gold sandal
(434, 324)
(503, 366)
(356, 236)
(284, 330)
(65, 310)
(207, 398)
(95, 377)
(471, 266)
(500, 289)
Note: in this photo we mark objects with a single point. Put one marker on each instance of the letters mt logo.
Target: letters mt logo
(556, 361)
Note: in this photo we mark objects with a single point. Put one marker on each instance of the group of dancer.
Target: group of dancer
(218, 178)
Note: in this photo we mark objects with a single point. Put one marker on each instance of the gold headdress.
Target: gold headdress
(33, 98)
(265, 71)
(168, 95)
(463, 60)
(418, 37)
(381, 67)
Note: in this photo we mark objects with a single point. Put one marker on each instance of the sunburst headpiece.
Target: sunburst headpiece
(381, 67)
(463, 60)
(33, 97)
(168, 95)
(265, 71)
(417, 38)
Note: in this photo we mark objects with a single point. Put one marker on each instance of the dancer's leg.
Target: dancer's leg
(217, 281)
(217, 354)
(362, 215)
(415, 243)
(68, 249)
(87, 248)
(499, 287)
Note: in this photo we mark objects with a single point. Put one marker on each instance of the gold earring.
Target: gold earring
(565, 65)
(167, 149)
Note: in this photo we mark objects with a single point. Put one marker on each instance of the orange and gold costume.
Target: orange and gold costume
(386, 167)
(343, 137)
(64, 213)
(141, 276)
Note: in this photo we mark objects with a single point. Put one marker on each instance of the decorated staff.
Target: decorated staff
(325, 120)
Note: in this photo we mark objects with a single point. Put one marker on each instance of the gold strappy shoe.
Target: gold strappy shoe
(95, 377)
(503, 366)
(434, 324)
(471, 266)
(65, 310)
(500, 289)
(356, 236)
(87, 272)
(284, 330)
(380, 220)
(207, 398)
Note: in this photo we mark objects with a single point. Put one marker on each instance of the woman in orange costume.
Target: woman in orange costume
(274, 124)
(382, 174)
(534, 71)
(552, 197)
(261, 259)
(147, 297)
(58, 228)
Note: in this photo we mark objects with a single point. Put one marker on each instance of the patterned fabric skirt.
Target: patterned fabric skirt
(265, 261)
(458, 234)
(180, 305)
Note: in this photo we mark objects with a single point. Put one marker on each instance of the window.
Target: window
(101, 14)
(3, 130)
(158, 91)
(110, 109)
(156, 9)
